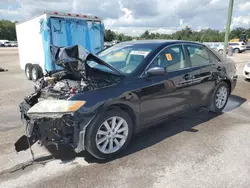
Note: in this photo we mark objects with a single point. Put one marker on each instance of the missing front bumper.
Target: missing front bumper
(69, 130)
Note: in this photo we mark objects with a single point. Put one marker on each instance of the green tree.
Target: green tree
(145, 35)
(235, 33)
(7, 30)
(109, 35)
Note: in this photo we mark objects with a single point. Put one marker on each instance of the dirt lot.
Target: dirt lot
(197, 149)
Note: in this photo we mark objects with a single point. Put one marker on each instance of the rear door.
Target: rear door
(168, 94)
(205, 69)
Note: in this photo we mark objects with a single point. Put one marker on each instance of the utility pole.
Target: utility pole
(229, 18)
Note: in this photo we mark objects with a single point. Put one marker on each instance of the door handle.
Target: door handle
(219, 68)
(187, 77)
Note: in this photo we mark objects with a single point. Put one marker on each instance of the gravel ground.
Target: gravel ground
(197, 149)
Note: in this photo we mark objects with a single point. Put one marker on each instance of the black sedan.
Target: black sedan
(96, 103)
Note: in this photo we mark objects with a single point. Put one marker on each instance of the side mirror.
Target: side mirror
(156, 71)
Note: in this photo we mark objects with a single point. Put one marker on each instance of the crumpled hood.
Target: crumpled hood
(62, 55)
(73, 58)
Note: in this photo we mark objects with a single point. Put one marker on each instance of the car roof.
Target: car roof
(157, 42)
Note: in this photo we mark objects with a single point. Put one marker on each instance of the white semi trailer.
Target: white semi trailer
(36, 35)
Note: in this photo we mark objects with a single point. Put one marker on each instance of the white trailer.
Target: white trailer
(36, 35)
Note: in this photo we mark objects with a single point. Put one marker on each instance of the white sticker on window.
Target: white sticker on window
(144, 53)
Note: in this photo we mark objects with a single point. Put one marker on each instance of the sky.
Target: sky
(133, 17)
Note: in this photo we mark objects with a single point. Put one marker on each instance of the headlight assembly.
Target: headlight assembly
(54, 108)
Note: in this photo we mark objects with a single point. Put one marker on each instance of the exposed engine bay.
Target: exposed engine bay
(61, 85)
(48, 114)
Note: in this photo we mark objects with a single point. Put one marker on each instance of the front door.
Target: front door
(168, 94)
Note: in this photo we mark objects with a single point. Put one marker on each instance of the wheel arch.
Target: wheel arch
(228, 82)
(128, 109)
(237, 49)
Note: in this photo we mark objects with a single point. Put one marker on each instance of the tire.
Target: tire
(36, 72)
(215, 105)
(92, 138)
(237, 50)
(28, 68)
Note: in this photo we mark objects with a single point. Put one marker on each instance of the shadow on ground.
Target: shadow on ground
(154, 135)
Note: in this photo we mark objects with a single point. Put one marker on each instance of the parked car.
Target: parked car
(238, 47)
(96, 103)
(246, 71)
(13, 44)
(219, 47)
(2, 42)
(107, 44)
(7, 44)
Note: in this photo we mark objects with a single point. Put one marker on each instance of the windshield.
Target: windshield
(123, 58)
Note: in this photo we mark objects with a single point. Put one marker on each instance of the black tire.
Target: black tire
(36, 72)
(91, 133)
(213, 107)
(28, 68)
(220, 52)
(237, 50)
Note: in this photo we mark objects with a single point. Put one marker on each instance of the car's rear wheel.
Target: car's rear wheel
(109, 134)
(236, 50)
(220, 97)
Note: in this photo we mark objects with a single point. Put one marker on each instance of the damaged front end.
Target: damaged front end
(49, 115)
(53, 122)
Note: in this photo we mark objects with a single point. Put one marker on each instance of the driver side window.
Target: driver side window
(172, 58)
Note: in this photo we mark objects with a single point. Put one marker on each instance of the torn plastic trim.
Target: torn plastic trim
(81, 136)
(24, 143)
(49, 115)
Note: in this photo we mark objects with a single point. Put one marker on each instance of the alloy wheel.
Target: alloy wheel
(111, 135)
(221, 97)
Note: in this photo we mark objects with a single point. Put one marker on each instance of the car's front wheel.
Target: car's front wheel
(109, 134)
(220, 97)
